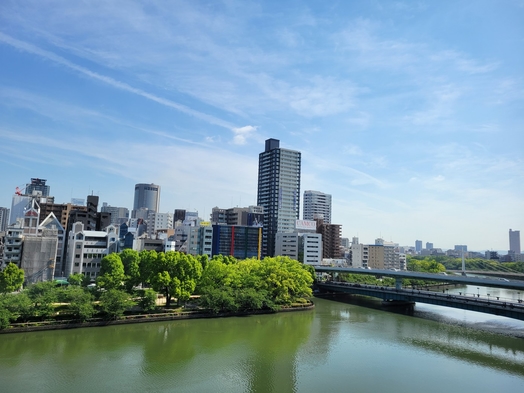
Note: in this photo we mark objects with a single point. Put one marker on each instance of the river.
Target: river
(341, 346)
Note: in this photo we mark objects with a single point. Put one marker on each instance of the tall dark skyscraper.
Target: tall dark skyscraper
(278, 191)
(147, 199)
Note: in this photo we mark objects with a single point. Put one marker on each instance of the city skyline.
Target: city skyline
(408, 113)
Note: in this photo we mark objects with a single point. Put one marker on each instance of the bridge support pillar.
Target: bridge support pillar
(398, 283)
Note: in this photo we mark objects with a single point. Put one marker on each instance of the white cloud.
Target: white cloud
(242, 134)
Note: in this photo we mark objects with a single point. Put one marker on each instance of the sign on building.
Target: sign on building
(308, 225)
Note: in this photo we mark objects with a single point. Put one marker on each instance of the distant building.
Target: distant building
(331, 234)
(359, 254)
(19, 204)
(147, 198)
(247, 216)
(119, 215)
(514, 241)
(158, 222)
(14, 238)
(429, 246)
(461, 248)
(286, 244)
(60, 210)
(4, 218)
(418, 246)
(180, 215)
(303, 247)
(317, 205)
(241, 242)
(492, 255)
(39, 186)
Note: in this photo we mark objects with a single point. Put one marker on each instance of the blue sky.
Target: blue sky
(410, 113)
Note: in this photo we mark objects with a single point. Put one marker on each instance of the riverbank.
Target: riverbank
(138, 318)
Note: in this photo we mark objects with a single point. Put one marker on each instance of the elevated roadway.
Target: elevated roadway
(448, 278)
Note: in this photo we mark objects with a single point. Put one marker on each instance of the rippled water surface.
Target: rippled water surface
(339, 347)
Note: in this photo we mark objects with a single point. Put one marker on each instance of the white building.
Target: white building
(14, 238)
(311, 246)
(317, 205)
(159, 222)
(359, 254)
(286, 244)
(304, 247)
(87, 248)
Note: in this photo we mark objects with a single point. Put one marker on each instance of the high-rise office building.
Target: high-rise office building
(278, 191)
(317, 205)
(429, 246)
(147, 198)
(418, 246)
(514, 241)
(39, 186)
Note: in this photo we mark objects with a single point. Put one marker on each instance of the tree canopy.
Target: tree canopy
(111, 272)
(11, 278)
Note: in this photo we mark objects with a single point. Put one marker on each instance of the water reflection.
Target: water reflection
(457, 340)
(285, 352)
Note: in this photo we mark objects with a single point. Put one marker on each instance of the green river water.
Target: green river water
(341, 346)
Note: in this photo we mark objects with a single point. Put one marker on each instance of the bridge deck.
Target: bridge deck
(506, 309)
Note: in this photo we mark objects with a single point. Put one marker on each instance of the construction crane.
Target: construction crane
(19, 191)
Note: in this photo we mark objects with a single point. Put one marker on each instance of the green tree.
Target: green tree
(6, 316)
(148, 300)
(285, 279)
(11, 278)
(218, 300)
(249, 299)
(176, 274)
(76, 279)
(43, 295)
(148, 260)
(19, 305)
(80, 302)
(111, 272)
(131, 261)
(114, 303)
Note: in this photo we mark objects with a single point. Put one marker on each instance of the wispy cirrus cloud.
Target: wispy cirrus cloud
(27, 47)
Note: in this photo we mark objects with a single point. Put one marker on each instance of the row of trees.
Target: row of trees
(43, 300)
(173, 274)
(223, 283)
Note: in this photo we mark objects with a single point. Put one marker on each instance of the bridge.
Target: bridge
(403, 295)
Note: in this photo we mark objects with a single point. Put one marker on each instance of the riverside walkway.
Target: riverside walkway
(472, 303)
